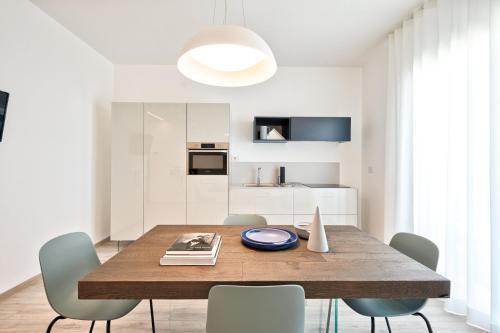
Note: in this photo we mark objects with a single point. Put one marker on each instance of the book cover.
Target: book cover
(207, 253)
(193, 242)
(193, 260)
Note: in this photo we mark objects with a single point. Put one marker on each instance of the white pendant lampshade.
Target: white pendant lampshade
(227, 56)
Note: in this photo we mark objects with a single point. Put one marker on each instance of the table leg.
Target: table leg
(336, 316)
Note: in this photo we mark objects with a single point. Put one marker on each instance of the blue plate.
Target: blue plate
(268, 235)
(291, 242)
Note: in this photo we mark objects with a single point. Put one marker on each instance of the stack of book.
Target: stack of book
(193, 249)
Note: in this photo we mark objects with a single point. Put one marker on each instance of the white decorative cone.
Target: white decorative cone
(317, 238)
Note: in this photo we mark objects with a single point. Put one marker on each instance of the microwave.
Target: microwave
(207, 158)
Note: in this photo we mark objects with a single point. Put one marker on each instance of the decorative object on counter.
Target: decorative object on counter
(274, 135)
(282, 175)
(317, 238)
(269, 239)
(303, 230)
(263, 132)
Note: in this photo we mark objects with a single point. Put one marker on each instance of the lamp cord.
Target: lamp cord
(213, 15)
(243, 11)
(225, 11)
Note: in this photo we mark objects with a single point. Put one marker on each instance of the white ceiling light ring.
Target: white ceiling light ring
(227, 55)
(205, 75)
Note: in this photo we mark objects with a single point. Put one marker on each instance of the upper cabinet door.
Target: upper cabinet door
(164, 164)
(126, 171)
(320, 129)
(208, 122)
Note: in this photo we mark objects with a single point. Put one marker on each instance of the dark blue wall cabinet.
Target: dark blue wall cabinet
(320, 129)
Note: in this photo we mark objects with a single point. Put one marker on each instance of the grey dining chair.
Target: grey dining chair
(256, 309)
(245, 219)
(418, 248)
(63, 261)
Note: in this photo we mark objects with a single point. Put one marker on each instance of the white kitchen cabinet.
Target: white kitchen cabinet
(288, 205)
(327, 219)
(149, 185)
(127, 171)
(262, 201)
(208, 122)
(331, 201)
(207, 199)
(164, 164)
(279, 219)
(241, 201)
(276, 201)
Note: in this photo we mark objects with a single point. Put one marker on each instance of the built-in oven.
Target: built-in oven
(207, 158)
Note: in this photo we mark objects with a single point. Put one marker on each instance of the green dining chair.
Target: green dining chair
(245, 219)
(418, 248)
(63, 261)
(256, 309)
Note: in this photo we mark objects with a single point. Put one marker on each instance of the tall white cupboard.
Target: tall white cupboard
(127, 171)
(148, 163)
(164, 164)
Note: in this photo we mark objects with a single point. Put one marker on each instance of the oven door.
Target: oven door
(207, 162)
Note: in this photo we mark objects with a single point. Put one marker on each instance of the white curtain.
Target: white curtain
(442, 146)
(495, 163)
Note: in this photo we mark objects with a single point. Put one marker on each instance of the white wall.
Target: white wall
(374, 108)
(54, 174)
(291, 92)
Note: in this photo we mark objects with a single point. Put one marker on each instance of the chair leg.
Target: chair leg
(388, 325)
(373, 324)
(152, 315)
(328, 317)
(108, 326)
(92, 326)
(429, 328)
(53, 322)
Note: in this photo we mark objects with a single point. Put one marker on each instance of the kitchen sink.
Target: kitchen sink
(261, 185)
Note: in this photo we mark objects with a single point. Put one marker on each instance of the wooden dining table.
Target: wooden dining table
(356, 266)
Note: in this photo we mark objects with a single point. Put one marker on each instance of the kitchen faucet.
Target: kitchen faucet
(258, 176)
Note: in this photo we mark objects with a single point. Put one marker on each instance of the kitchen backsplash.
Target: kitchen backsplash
(301, 172)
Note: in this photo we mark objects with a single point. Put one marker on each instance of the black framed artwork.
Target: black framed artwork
(4, 100)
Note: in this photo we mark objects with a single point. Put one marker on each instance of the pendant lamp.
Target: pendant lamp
(227, 56)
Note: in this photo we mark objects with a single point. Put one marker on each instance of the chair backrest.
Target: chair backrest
(63, 261)
(416, 247)
(254, 309)
(245, 219)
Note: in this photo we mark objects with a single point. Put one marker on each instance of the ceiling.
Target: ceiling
(300, 32)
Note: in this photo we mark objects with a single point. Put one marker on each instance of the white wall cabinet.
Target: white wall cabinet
(127, 171)
(208, 122)
(164, 164)
(338, 206)
(207, 199)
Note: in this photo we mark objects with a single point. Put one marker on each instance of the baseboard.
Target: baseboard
(20, 286)
(36, 278)
(99, 243)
